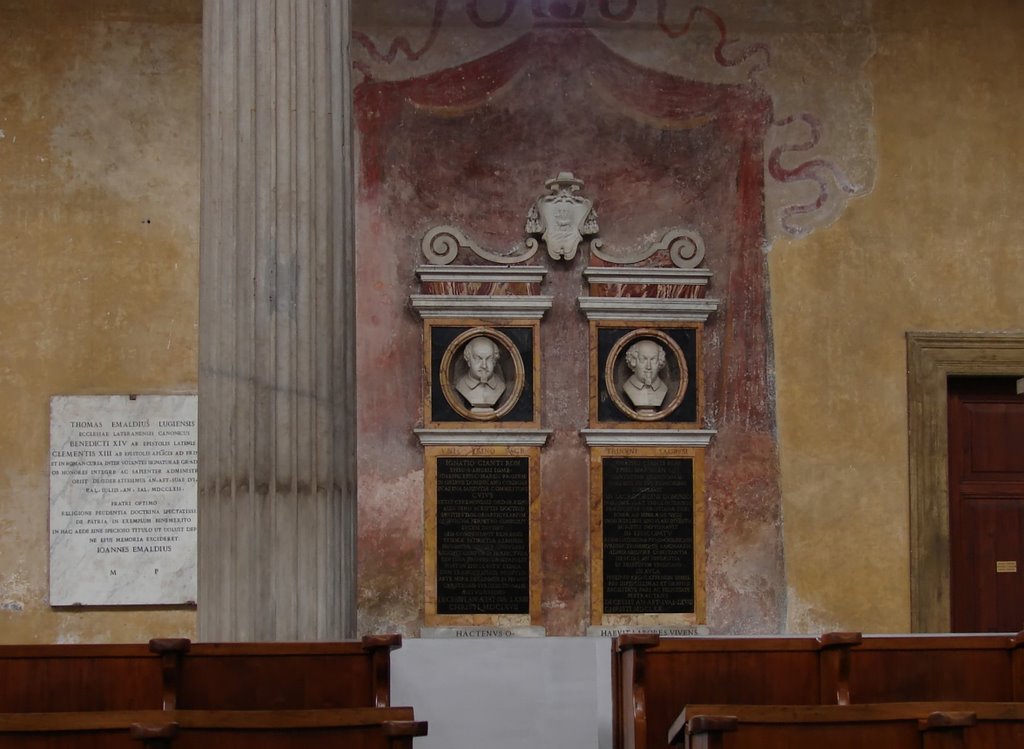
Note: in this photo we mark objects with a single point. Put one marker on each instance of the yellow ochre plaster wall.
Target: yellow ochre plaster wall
(99, 217)
(936, 246)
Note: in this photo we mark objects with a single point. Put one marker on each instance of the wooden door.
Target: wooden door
(986, 504)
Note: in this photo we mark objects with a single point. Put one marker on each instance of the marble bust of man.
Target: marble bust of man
(483, 382)
(644, 387)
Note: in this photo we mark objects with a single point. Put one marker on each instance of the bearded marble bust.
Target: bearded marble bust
(483, 382)
(644, 388)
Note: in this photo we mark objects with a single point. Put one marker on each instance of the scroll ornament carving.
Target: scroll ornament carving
(685, 248)
(441, 245)
(562, 218)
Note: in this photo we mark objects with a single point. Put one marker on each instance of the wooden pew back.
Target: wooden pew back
(909, 725)
(657, 676)
(176, 673)
(353, 728)
(793, 727)
(54, 678)
(276, 676)
(895, 668)
(653, 678)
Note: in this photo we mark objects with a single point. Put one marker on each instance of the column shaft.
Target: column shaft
(276, 354)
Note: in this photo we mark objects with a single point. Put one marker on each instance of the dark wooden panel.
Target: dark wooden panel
(657, 677)
(164, 674)
(992, 455)
(929, 725)
(657, 680)
(994, 734)
(905, 668)
(988, 568)
(356, 728)
(257, 676)
(986, 504)
(46, 678)
(95, 729)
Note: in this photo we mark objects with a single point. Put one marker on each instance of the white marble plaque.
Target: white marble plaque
(123, 500)
(477, 633)
(683, 630)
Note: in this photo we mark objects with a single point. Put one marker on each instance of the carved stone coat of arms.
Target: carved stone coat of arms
(562, 218)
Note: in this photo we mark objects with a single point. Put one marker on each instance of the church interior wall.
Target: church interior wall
(934, 247)
(99, 235)
(99, 211)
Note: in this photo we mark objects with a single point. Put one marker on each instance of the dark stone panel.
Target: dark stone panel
(648, 535)
(483, 535)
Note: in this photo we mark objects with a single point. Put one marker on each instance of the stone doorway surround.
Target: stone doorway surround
(931, 358)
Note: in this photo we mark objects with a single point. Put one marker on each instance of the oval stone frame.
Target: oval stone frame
(679, 372)
(513, 386)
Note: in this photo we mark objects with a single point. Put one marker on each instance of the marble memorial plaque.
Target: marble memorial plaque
(123, 485)
(483, 535)
(648, 536)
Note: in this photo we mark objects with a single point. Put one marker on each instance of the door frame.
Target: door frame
(931, 358)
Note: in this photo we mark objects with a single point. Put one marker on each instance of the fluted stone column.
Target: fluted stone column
(276, 339)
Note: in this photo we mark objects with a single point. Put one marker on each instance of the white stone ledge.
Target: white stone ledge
(500, 307)
(644, 308)
(647, 437)
(473, 437)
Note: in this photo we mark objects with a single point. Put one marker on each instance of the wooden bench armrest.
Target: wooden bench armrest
(153, 731)
(947, 719)
(840, 639)
(171, 651)
(154, 736)
(380, 647)
(305, 718)
(406, 728)
(709, 723)
(834, 662)
(388, 641)
(635, 642)
(689, 723)
(162, 645)
(88, 720)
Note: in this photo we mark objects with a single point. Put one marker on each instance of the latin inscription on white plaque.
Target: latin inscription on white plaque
(122, 500)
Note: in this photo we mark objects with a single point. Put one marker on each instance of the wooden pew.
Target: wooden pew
(56, 678)
(353, 728)
(997, 727)
(908, 725)
(1017, 660)
(653, 677)
(275, 676)
(170, 673)
(902, 668)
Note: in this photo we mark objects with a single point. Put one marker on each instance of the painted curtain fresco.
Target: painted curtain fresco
(472, 145)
